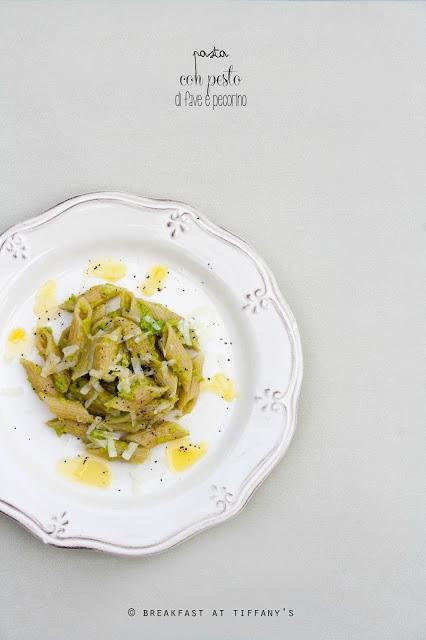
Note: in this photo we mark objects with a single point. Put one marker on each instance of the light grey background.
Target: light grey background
(323, 172)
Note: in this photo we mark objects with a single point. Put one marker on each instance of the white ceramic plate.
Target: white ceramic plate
(247, 332)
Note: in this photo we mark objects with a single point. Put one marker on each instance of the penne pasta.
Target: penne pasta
(140, 455)
(95, 296)
(67, 409)
(63, 340)
(41, 385)
(165, 377)
(130, 306)
(45, 342)
(142, 396)
(158, 311)
(104, 353)
(80, 324)
(129, 328)
(173, 349)
(98, 314)
(99, 405)
(188, 398)
(46, 345)
(163, 432)
(85, 359)
(119, 372)
(77, 429)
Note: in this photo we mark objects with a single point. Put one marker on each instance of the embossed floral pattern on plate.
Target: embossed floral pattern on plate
(17, 246)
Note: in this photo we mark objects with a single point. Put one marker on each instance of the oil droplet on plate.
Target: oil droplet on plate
(18, 343)
(182, 454)
(86, 470)
(221, 385)
(46, 306)
(111, 270)
(17, 335)
(155, 280)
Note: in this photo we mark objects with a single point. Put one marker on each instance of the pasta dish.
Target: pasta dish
(120, 375)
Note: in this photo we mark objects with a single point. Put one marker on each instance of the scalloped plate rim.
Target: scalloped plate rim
(290, 400)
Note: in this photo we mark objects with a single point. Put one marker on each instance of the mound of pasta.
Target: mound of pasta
(120, 375)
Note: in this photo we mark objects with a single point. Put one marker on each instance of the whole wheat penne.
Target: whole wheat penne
(163, 432)
(46, 345)
(77, 429)
(165, 377)
(104, 353)
(142, 396)
(80, 324)
(67, 409)
(95, 296)
(158, 311)
(41, 385)
(98, 313)
(188, 398)
(139, 456)
(173, 349)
